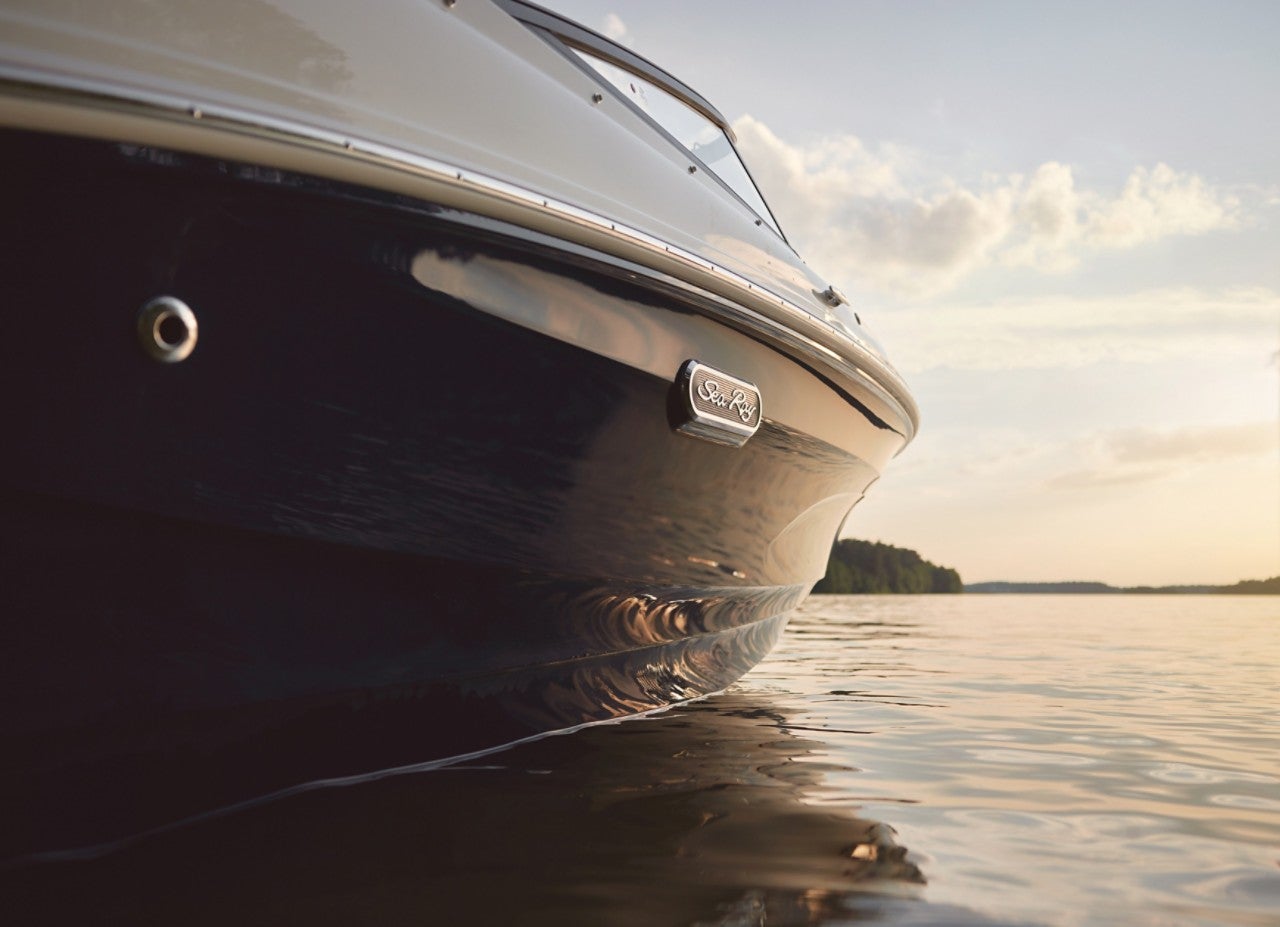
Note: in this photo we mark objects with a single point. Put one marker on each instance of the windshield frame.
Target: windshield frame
(566, 36)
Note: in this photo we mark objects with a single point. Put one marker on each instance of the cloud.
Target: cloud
(1156, 203)
(1067, 332)
(1182, 445)
(614, 28)
(1136, 455)
(885, 215)
(1101, 478)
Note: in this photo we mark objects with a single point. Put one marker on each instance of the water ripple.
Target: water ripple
(1059, 760)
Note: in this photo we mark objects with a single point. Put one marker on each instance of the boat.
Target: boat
(385, 387)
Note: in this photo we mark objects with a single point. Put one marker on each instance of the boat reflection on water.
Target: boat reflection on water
(699, 815)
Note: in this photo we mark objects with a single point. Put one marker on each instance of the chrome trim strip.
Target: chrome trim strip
(782, 318)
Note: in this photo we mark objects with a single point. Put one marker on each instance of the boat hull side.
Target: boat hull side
(415, 491)
(154, 669)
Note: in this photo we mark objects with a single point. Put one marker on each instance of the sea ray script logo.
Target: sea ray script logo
(717, 407)
(732, 400)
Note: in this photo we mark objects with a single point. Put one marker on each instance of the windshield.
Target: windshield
(702, 137)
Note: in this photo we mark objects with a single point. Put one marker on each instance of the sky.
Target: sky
(1063, 222)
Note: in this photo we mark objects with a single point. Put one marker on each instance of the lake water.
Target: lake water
(904, 760)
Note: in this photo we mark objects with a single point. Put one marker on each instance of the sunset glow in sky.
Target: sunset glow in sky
(1063, 221)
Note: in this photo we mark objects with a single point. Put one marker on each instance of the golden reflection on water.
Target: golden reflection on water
(1060, 759)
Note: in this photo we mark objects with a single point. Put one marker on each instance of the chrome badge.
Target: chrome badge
(716, 406)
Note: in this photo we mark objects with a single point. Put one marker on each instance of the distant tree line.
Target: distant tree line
(1246, 587)
(874, 568)
(1253, 587)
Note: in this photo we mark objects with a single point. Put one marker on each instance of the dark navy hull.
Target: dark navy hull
(416, 491)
